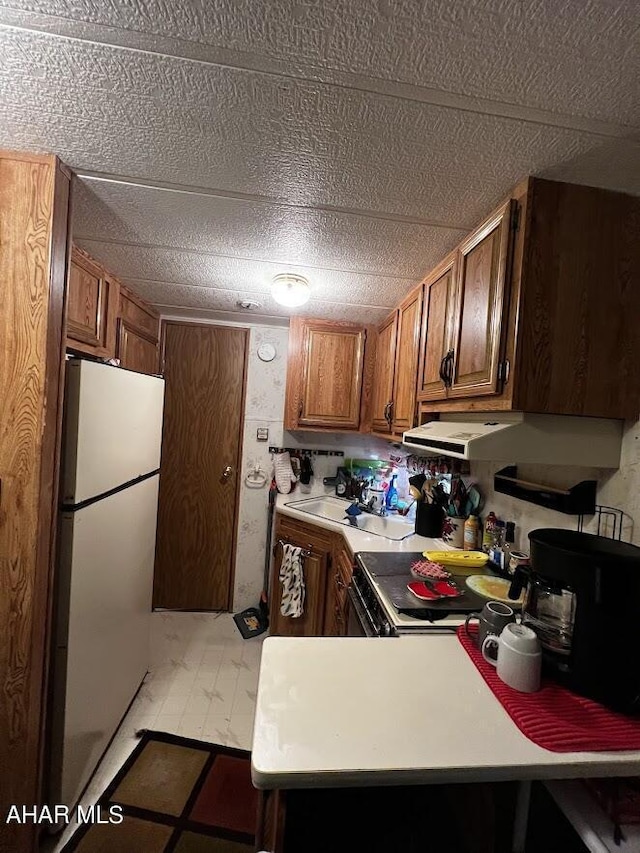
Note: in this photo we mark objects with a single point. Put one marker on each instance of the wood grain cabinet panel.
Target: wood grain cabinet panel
(317, 563)
(382, 393)
(138, 332)
(396, 368)
(406, 367)
(337, 602)
(478, 307)
(326, 375)
(544, 311)
(436, 330)
(92, 302)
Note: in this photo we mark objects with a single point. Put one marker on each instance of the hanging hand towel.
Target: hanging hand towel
(292, 578)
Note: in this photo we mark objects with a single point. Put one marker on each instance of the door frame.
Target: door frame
(171, 321)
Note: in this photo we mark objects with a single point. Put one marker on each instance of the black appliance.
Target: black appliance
(583, 599)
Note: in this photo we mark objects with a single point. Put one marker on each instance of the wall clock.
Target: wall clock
(266, 352)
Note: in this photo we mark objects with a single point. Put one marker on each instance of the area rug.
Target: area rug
(176, 795)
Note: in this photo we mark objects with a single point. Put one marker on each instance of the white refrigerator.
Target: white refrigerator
(109, 497)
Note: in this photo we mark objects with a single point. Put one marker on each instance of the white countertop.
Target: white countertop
(357, 540)
(334, 712)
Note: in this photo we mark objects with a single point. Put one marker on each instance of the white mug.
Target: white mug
(519, 657)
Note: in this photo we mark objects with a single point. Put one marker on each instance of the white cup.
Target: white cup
(519, 657)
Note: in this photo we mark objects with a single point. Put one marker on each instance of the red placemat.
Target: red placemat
(554, 717)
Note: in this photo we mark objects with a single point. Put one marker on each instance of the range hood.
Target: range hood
(520, 437)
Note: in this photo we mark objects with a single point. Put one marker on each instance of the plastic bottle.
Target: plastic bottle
(392, 494)
(487, 534)
(471, 528)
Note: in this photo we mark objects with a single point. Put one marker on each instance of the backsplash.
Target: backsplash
(620, 489)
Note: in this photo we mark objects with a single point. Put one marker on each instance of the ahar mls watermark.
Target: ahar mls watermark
(58, 814)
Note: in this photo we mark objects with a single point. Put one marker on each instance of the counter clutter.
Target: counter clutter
(335, 712)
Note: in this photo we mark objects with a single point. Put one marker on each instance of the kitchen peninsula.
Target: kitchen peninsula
(358, 713)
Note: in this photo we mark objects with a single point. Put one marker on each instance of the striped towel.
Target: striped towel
(292, 579)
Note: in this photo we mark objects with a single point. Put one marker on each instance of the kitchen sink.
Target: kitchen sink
(334, 509)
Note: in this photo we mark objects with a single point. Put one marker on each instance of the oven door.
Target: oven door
(360, 622)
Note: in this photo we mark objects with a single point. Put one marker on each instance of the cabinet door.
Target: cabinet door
(91, 307)
(479, 302)
(382, 395)
(318, 546)
(333, 356)
(136, 351)
(436, 330)
(406, 368)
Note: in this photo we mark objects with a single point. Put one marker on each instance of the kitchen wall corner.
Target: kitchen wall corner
(619, 488)
(264, 407)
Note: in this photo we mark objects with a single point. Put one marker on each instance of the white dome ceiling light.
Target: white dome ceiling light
(290, 289)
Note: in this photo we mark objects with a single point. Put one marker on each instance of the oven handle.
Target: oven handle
(362, 612)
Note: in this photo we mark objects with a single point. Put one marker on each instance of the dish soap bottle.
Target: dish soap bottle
(471, 533)
(392, 494)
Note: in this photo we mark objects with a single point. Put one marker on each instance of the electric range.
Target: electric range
(382, 606)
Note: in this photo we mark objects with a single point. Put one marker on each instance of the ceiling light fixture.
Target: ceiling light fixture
(290, 289)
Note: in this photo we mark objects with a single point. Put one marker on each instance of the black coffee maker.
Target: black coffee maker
(583, 600)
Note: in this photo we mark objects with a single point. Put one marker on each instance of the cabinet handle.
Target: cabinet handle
(340, 583)
(300, 408)
(446, 369)
(443, 375)
(387, 412)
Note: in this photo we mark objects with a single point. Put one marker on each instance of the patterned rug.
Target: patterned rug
(177, 796)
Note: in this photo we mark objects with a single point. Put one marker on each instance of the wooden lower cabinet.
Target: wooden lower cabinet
(337, 602)
(317, 545)
(327, 568)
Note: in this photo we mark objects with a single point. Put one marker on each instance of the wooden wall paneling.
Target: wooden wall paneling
(34, 207)
(205, 369)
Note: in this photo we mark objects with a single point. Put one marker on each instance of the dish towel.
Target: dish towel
(292, 579)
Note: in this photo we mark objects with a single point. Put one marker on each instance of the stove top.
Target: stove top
(390, 572)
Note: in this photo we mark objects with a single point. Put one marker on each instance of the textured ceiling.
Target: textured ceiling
(218, 143)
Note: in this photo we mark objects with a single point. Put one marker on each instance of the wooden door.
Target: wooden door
(382, 395)
(205, 370)
(479, 303)
(333, 356)
(406, 369)
(436, 330)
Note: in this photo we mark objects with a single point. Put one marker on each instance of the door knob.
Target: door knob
(227, 472)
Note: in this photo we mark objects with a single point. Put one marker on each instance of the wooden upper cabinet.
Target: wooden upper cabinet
(396, 367)
(325, 375)
(406, 364)
(478, 307)
(92, 305)
(106, 319)
(435, 339)
(138, 334)
(382, 393)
